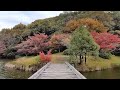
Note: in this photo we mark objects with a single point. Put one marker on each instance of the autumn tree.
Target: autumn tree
(81, 43)
(71, 26)
(33, 45)
(91, 24)
(45, 58)
(106, 40)
(57, 41)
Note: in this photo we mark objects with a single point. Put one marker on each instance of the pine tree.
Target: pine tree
(81, 43)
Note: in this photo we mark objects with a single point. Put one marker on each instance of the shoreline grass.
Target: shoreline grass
(91, 65)
(26, 61)
(99, 64)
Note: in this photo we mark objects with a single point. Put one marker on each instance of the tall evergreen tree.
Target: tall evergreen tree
(82, 43)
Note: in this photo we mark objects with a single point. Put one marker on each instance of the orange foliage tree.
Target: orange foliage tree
(45, 58)
(91, 24)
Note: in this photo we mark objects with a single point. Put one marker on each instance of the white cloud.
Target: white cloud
(10, 18)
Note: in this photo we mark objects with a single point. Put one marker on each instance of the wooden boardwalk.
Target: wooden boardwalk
(57, 71)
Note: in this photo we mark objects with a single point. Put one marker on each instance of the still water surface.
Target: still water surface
(12, 74)
(105, 74)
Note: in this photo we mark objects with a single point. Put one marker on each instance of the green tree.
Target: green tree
(19, 26)
(116, 17)
(81, 43)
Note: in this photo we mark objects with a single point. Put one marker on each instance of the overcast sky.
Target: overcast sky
(10, 18)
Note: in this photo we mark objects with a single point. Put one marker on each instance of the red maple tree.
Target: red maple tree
(57, 40)
(106, 40)
(35, 44)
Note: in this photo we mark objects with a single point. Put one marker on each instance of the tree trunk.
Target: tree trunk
(59, 49)
(25, 54)
(80, 59)
(85, 58)
(76, 56)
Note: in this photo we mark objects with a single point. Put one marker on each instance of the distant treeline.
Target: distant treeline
(55, 32)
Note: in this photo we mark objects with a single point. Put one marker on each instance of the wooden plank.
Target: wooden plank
(79, 75)
(60, 77)
(35, 75)
(57, 71)
(54, 71)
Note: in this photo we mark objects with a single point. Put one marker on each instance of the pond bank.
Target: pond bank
(93, 64)
(32, 68)
(31, 64)
(99, 64)
(85, 68)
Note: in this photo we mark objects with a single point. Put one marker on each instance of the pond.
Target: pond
(104, 74)
(12, 74)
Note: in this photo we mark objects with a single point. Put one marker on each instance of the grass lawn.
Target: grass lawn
(103, 63)
(26, 61)
(92, 62)
(58, 58)
(31, 60)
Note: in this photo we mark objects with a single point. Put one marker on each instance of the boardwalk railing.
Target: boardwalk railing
(60, 71)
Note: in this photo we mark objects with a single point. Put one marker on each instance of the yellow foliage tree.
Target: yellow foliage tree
(91, 24)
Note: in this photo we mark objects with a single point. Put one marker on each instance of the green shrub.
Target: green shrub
(116, 51)
(9, 53)
(115, 32)
(95, 53)
(67, 52)
(55, 51)
(105, 54)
